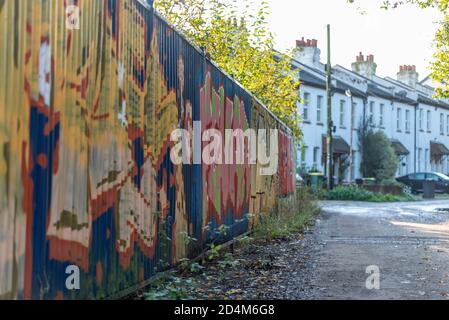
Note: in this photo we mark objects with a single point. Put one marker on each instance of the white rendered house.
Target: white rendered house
(403, 108)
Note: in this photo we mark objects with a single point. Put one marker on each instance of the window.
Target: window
(421, 115)
(441, 123)
(342, 113)
(420, 176)
(316, 152)
(432, 177)
(407, 121)
(371, 113)
(306, 104)
(353, 166)
(426, 159)
(319, 106)
(429, 121)
(419, 158)
(303, 156)
(447, 125)
(398, 119)
(353, 113)
(407, 163)
(381, 116)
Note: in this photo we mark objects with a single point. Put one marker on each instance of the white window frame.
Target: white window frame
(381, 117)
(304, 156)
(398, 119)
(316, 155)
(306, 106)
(419, 158)
(447, 124)
(441, 123)
(353, 113)
(421, 116)
(342, 113)
(372, 107)
(426, 158)
(319, 108)
(407, 121)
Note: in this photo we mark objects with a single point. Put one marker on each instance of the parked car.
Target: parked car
(415, 181)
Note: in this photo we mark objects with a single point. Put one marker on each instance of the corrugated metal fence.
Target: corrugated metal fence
(85, 172)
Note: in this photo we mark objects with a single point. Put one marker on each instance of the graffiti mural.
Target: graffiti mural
(86, 177)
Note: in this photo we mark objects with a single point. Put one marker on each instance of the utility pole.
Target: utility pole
(330, 124)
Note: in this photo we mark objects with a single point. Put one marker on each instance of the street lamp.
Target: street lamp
(349, 95)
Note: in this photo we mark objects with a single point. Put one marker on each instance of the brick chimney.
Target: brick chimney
(408, 75)
(308, 53)
(366, 68)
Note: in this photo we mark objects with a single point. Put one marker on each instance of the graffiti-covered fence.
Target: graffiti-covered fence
(87, 109)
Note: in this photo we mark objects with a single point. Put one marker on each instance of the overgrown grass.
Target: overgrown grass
(180, 284)
(285, 222)
(354, 193)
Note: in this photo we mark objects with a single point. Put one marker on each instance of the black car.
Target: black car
(415, 181)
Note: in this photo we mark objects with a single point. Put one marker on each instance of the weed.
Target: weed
(196, 267)
(214, 251)
(286, 222)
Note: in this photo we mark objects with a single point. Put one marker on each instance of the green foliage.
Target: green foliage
(354, 193)
(441, 5)
(196, 267)
(240, 43)
(440, 63)
(228, 262)
(349, 193)
(379, 158)
(214, 252)
(286, 223)
(176, 289)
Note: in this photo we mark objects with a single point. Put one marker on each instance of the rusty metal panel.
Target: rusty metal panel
(86, 177)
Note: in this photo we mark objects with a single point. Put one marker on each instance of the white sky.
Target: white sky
(395, 37)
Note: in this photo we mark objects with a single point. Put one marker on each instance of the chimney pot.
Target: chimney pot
(408, 75)
(309, 53)
(366, 68)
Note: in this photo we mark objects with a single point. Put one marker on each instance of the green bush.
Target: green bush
(349, 193)
(379, 158)
(354, 193)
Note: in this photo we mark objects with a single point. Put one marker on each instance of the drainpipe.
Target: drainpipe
(415, 138)
(362, 147)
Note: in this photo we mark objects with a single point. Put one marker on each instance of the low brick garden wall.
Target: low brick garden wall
(384, 189)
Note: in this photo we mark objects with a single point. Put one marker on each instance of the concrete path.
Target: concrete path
(407, 242)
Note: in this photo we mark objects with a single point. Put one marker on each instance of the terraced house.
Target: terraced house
(403, 108)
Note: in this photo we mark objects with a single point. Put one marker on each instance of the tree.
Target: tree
(379, 159)
(240, 43)
(442, 5)
(440, 64)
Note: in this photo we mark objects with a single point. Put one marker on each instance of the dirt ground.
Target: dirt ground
(407, 242)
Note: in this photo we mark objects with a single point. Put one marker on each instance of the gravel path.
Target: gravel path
(407, 242)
